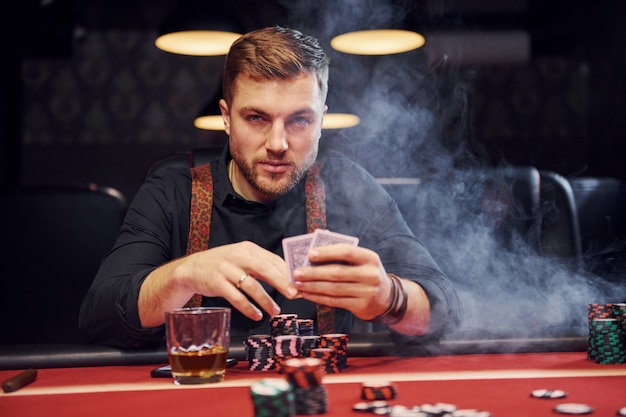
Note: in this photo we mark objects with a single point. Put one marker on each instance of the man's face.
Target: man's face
(274, 128)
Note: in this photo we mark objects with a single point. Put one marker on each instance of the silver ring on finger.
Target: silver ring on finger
(241, 280)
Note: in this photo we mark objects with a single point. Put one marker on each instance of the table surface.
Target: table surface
(498, 383)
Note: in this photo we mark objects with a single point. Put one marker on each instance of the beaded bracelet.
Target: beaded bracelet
(398, 304)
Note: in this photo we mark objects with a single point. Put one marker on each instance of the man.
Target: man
(275, 86)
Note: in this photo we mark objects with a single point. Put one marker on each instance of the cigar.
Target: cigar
(19, 380)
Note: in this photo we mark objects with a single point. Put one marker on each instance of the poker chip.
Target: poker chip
(304, 372)
(339, 342)
(362, 407)
(573, 408)
(381, 407)
(374, 407)
(402, 411)
(606, 341)
(273, 397)
(378, 391)
(306, 327)
(621, 412)
(284, 324)
(328, 357)
(444, 408)
(308, 343)
(607, 333)
(285, 347)
(260, 352)
(436, 409)
(470, 412)
(305, 375)
(547, 393)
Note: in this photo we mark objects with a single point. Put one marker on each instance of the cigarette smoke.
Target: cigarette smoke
(416, 122)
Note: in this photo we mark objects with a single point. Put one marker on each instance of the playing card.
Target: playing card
(322, 237)
(295, 250)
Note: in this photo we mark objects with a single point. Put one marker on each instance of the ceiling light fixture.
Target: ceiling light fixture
(340, 120)
(331, 121)
(199, 30)
(378, 42)
(197, 42)
(209, 122)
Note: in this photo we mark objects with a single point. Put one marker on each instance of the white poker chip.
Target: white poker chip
(470, 413)
(465, 412)
(572, 408)
(430, 409)
(548, 393)
(446, 408)
(375, 407)
(621, 412)
(362, 407)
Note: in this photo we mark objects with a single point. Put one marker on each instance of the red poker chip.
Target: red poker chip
(573, 408)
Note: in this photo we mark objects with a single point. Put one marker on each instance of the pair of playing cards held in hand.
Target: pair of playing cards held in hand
(295, 248)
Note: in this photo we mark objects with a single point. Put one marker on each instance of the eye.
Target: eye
(254, 118)
(301, 121)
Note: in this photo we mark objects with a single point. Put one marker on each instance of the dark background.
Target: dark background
(87, 97)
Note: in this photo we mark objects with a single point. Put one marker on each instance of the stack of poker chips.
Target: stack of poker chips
(305, 376)
(260, 349)
(339, 342)
(619, 312)
(306, 327)
(607, 330)
(285, 324)
(292, 337)
(308, 343)
(260, 352)
(286, 347)
(328, 356)
(273, 397)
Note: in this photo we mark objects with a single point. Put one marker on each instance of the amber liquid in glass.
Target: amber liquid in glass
(199, 366)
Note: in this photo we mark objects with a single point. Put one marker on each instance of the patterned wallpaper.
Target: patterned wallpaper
(117, 88)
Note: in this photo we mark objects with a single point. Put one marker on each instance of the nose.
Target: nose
(276, 140)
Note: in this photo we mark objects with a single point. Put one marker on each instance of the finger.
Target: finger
(247, 284)
(241, 280)
(342, 253)
(235, 294)
(337, 273)
(268, 267)
(341, 285)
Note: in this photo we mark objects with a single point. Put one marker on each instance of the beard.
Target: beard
(274, 185)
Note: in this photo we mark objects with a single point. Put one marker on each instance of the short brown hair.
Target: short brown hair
(275, 53)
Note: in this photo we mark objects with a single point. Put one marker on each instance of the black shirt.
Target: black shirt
(156, 228)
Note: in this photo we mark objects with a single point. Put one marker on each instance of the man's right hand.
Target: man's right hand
(229, 271)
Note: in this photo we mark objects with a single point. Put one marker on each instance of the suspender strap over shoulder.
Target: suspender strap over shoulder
(316, 219)
(200, 216)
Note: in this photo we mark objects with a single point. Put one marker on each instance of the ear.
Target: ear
(225, 116)
(324, 111)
